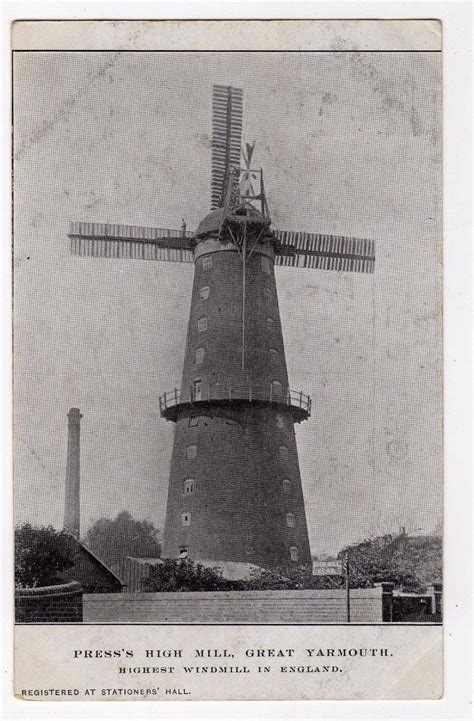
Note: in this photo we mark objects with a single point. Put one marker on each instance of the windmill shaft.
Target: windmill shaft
(234, 440)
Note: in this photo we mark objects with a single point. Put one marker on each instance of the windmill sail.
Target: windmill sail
(104, 240)
(326, 252)
(226, 138)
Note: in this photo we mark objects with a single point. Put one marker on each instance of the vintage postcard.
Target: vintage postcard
(228, 360)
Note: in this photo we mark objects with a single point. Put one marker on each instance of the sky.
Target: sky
(350, 144)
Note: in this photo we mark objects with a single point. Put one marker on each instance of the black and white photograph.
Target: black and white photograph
(228, 353)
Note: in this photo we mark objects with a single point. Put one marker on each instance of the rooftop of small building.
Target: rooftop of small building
(83, 547)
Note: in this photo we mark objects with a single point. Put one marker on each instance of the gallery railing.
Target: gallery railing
(206, 392)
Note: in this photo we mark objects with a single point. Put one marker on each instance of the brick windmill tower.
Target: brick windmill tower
(235, 490)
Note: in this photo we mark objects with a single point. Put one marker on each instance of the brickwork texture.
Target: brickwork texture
(235, 489)
(49, 604)
(312, 606)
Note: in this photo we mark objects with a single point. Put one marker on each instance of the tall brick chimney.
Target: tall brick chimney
(72, 507)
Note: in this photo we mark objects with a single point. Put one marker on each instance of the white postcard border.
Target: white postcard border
(457, 223)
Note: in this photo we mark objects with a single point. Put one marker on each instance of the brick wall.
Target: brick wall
(49, 604)
(309, 606)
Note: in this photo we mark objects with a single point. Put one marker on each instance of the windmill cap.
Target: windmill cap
(211, 223)
(213, 220)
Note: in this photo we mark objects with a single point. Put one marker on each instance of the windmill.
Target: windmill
(235, 490)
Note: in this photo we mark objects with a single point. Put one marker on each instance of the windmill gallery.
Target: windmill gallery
(235, 491)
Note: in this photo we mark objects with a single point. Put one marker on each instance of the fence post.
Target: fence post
(175, 397)
(436, 592)
(387, 600)
(348, 587)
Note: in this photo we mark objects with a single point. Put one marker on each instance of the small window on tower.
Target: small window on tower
(207, 262)
(191, 452)
(197, 390)
(286, 486)
(202, 325)
(294, 553)
(273, 355)
(204, 292)
(290, 520)
(183, 552)
(270, 324)
(193, 421)
(266, 266)
(188, 486)
(199, 356)
(280, 422)
(186, 519)
(283, 451)
(276, 389)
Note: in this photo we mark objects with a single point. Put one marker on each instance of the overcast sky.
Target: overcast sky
(350, 144)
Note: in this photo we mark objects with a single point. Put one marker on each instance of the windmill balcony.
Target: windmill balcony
(234, 393)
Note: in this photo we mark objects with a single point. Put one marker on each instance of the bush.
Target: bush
(41, 553)
(280, 578)
(184, 575)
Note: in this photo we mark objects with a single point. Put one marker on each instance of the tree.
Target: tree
(424, 556)
(41, 553)
(185, 575)
(411, 563)
(112, 539)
